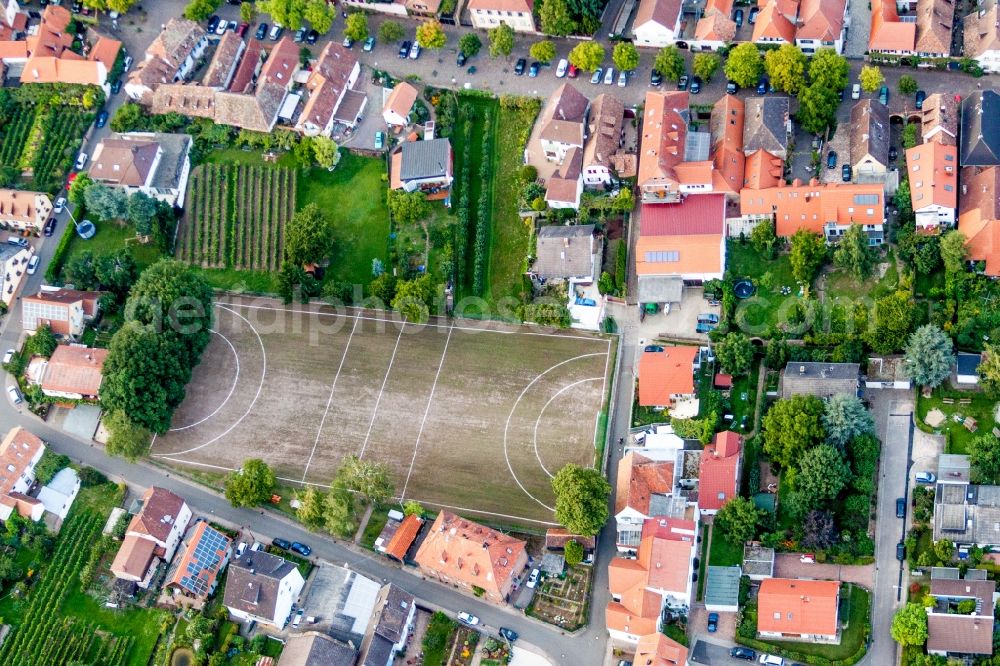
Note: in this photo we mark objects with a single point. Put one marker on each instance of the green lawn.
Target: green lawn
(742, 261)
(379, 517)
(354, 196)
(981, 409)
(853, 636)
(110, 237)
(841, 283)
(231, 279)
(723, 553)
(924, 283)
(744, 406)
(785, 520)
(436, 639)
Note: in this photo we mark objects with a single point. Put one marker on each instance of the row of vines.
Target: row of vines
(462, 229)
(482, 243)
(62, 136)
(44, 637)
(235, 216)
(14, 133)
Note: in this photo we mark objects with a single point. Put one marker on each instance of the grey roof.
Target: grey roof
(392, 621)
(378, 652)
(425, 159)
(342, 601)
(819, 379)
(175, 149)
(945, 573)
(723, 586)
(981, 129)
(315, 649)
(565, 251)
(980, 590)
(660, 288)
(869, 132)
(696, 146)
(967, 514)
(764, 126)
(253, 582)
(959, 634)
(967, 364)
(887, 369)
(953, 468)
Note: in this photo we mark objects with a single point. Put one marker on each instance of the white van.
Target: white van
(856, 91)
(771, 660)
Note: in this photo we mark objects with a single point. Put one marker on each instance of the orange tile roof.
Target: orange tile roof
(73, 369)
(699, 253)
(105, 51)
(656, 649)
(63, 70)
(724, 7)
(787, 8)
(934, 26)
(13, 50)
(773, 26)
(887, 33)
(813, 205)
(197, 575)
(821, 19)
(405, 534)
(715, 27)
(639, 478)
(664, 129)
(662, 12)
(401, 99)
(52, 37)
(933, 172)
(18, 449)
(720, 461)
(477, 555)
(665, 551)
(981, 191)
(134, 557)
(792, 606)
(625, 574)
(763, 171)
(666, 373)
(618, 617)
(726, 128)
(982, 239)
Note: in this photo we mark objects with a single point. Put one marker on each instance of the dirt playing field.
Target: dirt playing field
(471, 416)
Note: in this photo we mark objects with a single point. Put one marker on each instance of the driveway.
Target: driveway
(788, 565)
(682, 319)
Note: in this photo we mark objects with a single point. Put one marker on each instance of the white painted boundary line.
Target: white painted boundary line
(378, 400)
(427, 410)
(542, 413)
(329, 400)
(236, 380)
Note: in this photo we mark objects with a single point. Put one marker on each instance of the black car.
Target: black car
(652, 348)
(102, 119)
(534, 69)
(743, 653)
(261, 31)
(682, 83)
(213, 23)
(116, 86)
(900, 551)
(753, 15)
(404, 49)
(893, 154)
(738, 17)
(921, 96)
(655, 78)
(845, 173)
(50, 227)
(509, 634)
(281, 543)
(831, 159)
(460, 61)
(901, 507)
(731, 88)
(762, 86)
(312, 36)
(519, 66)
(300, 548)
(695, 85)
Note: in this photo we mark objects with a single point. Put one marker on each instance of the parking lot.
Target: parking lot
(682, 319)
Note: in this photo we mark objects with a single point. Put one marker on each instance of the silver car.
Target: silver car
(596, 78)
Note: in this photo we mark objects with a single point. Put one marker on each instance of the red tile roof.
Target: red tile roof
(656, 649)
(811, 206)
(701, 214)
(404, 537)
(798, 607)
(720, 461)
(639, 478)
(199, 568)
(18, 449)
(666, 373)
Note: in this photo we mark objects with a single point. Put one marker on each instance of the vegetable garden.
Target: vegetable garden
(235, 216)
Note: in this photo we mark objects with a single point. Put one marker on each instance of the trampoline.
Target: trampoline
(744, 289)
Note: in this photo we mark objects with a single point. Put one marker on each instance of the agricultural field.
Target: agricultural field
(44, 140)
(235, 216)
(498, 408)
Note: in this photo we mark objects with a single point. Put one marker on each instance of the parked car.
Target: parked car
(15, 395)
(682, 83)
(276, 32)
(900, 551)
(298, 618)
(856, 91)
(8, 356)
(731, 88)
(883, 95)
(312, 36)
(771, 660)
(213, 23)
(562, 68)
(17, 241)
(281, 543)
(116, 86)
(415, 50)
(921, 96)
(50, 227)
(59, 206)
(404, 49)
(461, 59)
(893, 154)
(695, 85)
(534, 69)
(220, 29)
(762, 86)
(622, 79)
(831, 159)
(533, 578)
(596, 77)
(86, 230)
(81, 161)
(926, 477)
(752, 18)
(242, 29)
(708, 318)
(508, 634)
(738, 17)
(900, 507)
(652, 348)
(102, 119)
(609, 76)
(261, 31)
(300, 548)
(655, 78)
(33, 265)
(573, 71)
(743, 653)
(845, 173)
(300, 36)
(703, 327)
(347, 43)
(468, 618)
(369, 45)
(379, 140)
(241, 548)
(713, 622)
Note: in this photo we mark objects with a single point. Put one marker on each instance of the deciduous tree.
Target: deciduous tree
(735, 353)
(763, 239)
(288, 13)
(430, 35)
(325, 151)
(308, 236)
(543, 51)
(141, 211)
(470, 44)
(792, 426)
(929, 356)
(196, 10)
(82, 182)
(248, 12)
(390, 31)
(807, 256)
(587, 56)
(573, 552)
(312, 507)
(984, 457)
(892, 323)
(739, 518)
(829, 69)
(250, 485)
(581, 499)
(953, 251)
(555, 18)
(845, 418)
(744, 64)
(371, 480)
(625, 56)
(907, 85)
(786, 67)
(670, 63)
(338, 514)
(871, 78)
(853, 252)
(320, 15)
(821, 474)
(42, 342)
(817, 107)
(501, 40)
(705, 65)
(818, 531)
(408, 208)
(106, 203)
(356, 26)
(412, 508)
(989, 369)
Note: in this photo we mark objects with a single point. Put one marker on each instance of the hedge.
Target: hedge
(59, 256)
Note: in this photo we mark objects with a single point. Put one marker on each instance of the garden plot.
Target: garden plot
(472, 416)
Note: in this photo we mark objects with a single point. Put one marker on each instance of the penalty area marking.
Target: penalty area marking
(538, 421)
(232, 388)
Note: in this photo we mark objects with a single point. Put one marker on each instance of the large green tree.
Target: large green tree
(984, 458)
(892, 323)
(844, 418)
(250, 485)
(735, 353)
(430, 35)
(907, 85)
(817, 107)
(953, 251)
(829, 69)
(308, 236)
(670, 63)
(989, 369)
(408, 208)
(41, 343)
(311, 507)
(807, 255)
(853, 252)
(587, 56)
(414, 297)
(786, 67)
(288, 13)
(140, 210)
(543, 51)
(744, 64)
(870, 78)
(196, 10)
(555, 18)
(470, 44)
(390, 31)
(356, 26)
(821, 474)
(929, 356)
(501, 40)
(106, 203)
(625, 56)
(320, 15)
(739, 519)
(705, 65)
(371, 480)
(791, 426)
(127, 118)
(581, 499)
(573, 552)
(338, 513)
(909, 625)
(125, 437)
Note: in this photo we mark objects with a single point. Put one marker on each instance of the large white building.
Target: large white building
(262, 587)
(487, 14)
(657, 23)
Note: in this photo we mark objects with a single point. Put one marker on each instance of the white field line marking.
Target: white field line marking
(398, 321)
(231, 388)
(538, 421)
(329, 400)
(260, 388)
(604, 394)
(427, 410)
(506, 428)
(378, 400)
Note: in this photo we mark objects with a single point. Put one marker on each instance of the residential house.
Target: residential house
(170, 58)
(967, 368)
(820, 379)
(798, 610)
(487, 14)
(156, 164)
(73, 372)
(204, 559)
(951, 633)
(981, 129)
(716, 27)
(762, 171)
(659, 576)
(869, 138)
(658, 649)
(939, 119)
(153, 535)
(887, 33)
(65, 311)
(564, 187)
(314, 648)
(57, 495)
(248, 68)
(226, 58)
(934, 28)
(981, 35)
(463, 553)
(262, 588)
(821, 24)
(887, 372)
(657, 23)
(673, 160)
(719, 475)
(967, 514)
(766, 125)
(20, 452)
(979, 221)
(776, 22)
(24, 211)
(722, 589)
(340, 602)
(47, 55)
(567, 252)
(933, 174)
(398, 105)
(604, 139)
(398, 535)
(666, 376)
(389, 628)
(393, 7)
(726, 131)
(643, 491)
(422, 165)
(332, 78)
(822, 208)
(563, 123)
(680, 245)
(954, 468)
(13, 270)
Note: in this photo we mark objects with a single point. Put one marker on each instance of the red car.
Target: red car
(242, 30)
(573, 71)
